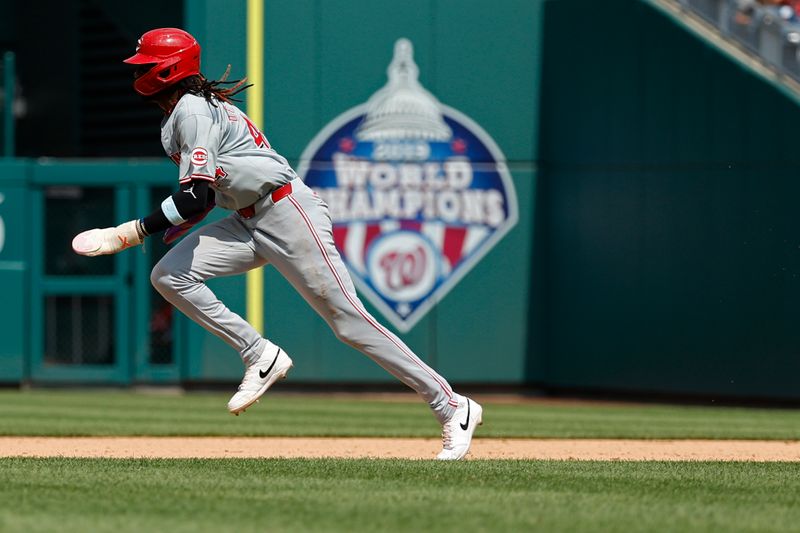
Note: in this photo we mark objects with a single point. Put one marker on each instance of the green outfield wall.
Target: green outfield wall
(667, 209)
(14, 270)
(655, 249)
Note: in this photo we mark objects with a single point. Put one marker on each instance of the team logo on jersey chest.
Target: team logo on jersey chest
(418, 193)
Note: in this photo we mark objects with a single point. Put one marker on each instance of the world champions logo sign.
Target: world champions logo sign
(418, 193)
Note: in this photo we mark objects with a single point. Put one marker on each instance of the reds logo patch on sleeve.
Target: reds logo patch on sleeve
(199, 156)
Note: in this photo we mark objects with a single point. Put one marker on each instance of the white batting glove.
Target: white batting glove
(105, 241)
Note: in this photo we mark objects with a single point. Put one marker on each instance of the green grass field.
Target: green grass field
(60, 494)
(125, 413)
(373, 495)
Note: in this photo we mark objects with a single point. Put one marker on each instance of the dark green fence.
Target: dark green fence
(14, 270)
(668, 209)
(71, 318)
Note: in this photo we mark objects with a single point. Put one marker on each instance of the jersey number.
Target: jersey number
(258, 137)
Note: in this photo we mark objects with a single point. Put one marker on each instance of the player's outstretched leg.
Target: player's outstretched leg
(219, 249)
(311, 263)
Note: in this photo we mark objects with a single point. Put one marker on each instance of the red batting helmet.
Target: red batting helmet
(173, 54)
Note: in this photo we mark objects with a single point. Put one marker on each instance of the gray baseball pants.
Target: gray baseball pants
(295, 236)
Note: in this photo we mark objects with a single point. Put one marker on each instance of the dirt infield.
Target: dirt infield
(266, 447)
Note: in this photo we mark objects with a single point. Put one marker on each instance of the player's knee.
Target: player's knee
(166, 280)
(169, 278)
(347, 332)
(161, 279)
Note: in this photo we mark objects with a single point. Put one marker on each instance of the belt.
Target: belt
(278, 194)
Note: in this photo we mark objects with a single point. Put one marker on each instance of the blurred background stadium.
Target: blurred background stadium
(652, 146)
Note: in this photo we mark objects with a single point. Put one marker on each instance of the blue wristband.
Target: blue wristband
(171, 211)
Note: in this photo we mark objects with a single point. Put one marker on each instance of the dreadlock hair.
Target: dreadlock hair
(199, 85)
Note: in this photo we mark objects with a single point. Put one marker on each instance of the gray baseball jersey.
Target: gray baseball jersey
(218, 143)
(291, 230)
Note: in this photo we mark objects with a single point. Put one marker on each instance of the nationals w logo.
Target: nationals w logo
(403, 269)
(417, 193)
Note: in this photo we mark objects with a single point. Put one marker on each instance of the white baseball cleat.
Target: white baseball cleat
(273, 365)
(457, 432)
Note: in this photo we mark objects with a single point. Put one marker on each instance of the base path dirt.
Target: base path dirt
(385, 448)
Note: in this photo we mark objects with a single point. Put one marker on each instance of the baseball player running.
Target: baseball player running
(276, 219)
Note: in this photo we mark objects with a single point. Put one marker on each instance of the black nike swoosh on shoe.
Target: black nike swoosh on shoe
(261, 373)
(465, 425)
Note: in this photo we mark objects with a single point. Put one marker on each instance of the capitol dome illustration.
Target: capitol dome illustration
(403, 109)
